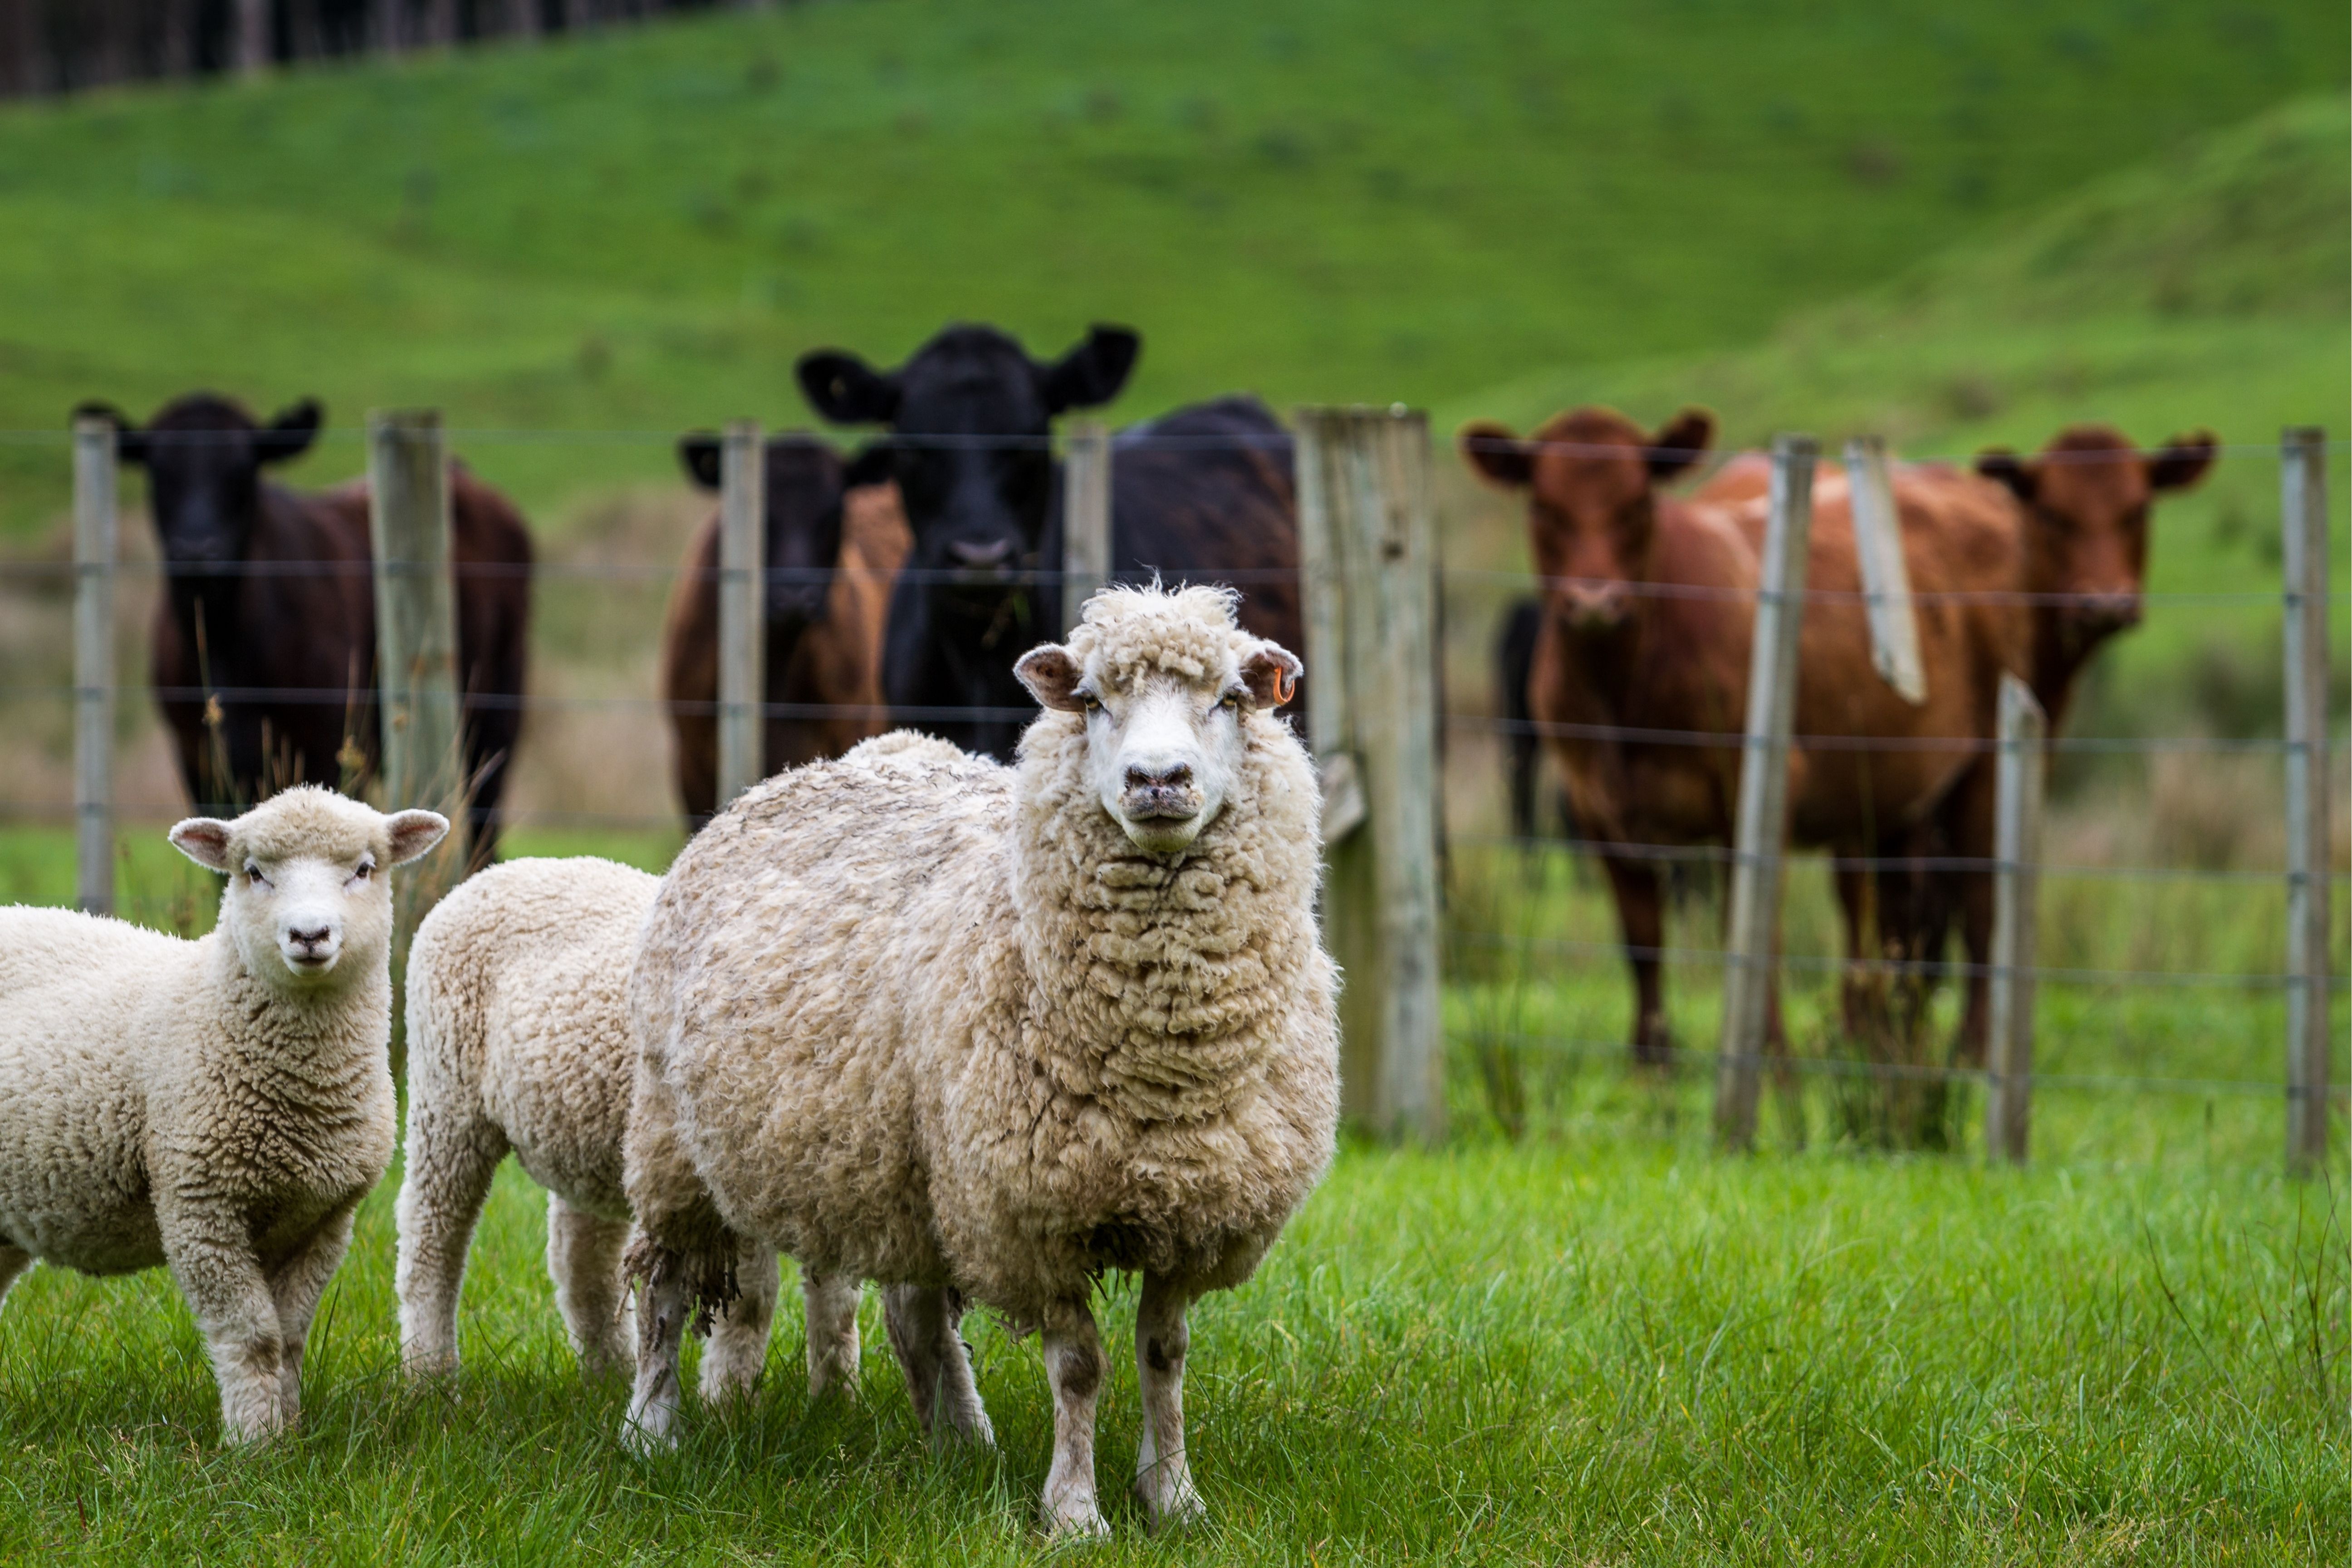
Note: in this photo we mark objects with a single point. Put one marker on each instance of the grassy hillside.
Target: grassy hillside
(1368, 199)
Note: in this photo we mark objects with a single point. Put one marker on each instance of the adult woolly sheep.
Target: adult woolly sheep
(518, 1040)
(220, 1105)
(985, 1033)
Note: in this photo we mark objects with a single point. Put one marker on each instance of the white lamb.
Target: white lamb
(985, 1033)
(518, 1040)
(220, 1105)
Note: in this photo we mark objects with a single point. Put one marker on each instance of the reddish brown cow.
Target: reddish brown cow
(834, 541)
(2078, 520)
(1651, 607)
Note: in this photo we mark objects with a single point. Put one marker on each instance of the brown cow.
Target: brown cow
(834, 541)
(1651, 610)
(2077, 516)
(264, 642)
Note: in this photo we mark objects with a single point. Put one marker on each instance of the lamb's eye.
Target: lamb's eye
(1093, 703)
(253, 874)
(366, 865)
(1231, 701)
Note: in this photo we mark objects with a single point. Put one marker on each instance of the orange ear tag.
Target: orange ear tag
(1285, 683)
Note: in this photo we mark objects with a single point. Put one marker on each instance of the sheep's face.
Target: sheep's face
(306, 896)
(1165, 740)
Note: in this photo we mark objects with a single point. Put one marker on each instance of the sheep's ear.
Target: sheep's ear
(414, 833)
(205, 840)
(1272, 673)
(1051, 677)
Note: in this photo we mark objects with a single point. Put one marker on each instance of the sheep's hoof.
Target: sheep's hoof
(1182, 1512)
(1073, 1524)
(644, 1442)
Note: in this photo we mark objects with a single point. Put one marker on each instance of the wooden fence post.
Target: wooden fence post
(743, 604)
(94, 443)
(2303, 487)
(1886, 574)
(252, 36)
(1761, 830)
(2019, 768)
(1085, 516)
(1368, 553)
(416, 609)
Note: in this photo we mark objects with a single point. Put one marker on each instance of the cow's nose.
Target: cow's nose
(981, 553)
(1596, 607)
(2109, 612)
(1175, 775)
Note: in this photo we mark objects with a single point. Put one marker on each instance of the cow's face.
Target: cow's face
(972, 417)
(203, 454)
(1589, 476)
(800, 544)
(2086, 499)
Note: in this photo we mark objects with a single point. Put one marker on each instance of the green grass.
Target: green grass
(1361, 200)
(1595, 1350)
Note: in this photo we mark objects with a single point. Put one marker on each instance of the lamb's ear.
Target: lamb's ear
(1051, 677)
(1272, 673)
(2182, 462)
(414, 833)
(2005, 467)
(1498, 456)
(205, 840)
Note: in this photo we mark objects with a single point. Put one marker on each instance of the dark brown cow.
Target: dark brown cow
(264, 656)
(833, 542)
(1651, 611)
(2078, 517)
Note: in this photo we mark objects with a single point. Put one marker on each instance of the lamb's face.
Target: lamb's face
(306, 896)
(1165, 741)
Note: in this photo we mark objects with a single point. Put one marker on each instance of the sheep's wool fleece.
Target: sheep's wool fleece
(148, 1083)
(518, 1015)
(924, 1018)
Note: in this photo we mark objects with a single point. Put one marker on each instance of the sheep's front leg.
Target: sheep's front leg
(925, 1324)
(296, 1288)
(239, 1317)
(832, 1349)
(1074, 1365)
(14, 1260)
(738, 1351)
(584, 1258)
(1162, 1478)
(664, 1305)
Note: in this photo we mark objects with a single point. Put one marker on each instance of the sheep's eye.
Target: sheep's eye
(1093, 703)
(253, 874)
(1231, 701)
(366, 865)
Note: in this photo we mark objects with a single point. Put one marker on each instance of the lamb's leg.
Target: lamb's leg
(1162, 1478)
(738, 1351)
(14, 1260)
(664, 1304)
(926, 1331)
(222, 1282)
(294, 1289)
(1074, 1365)
(450, 1163)
(833, 1348)
(583, 1257)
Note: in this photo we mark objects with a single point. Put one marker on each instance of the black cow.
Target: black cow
(264, 644)
(1204, 493)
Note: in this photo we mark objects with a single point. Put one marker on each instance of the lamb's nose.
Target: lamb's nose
(315, 937)
(973, 552)
(1176, 775)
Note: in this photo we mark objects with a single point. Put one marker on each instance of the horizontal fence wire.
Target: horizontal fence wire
(1723, 854)
(1852, 1067)
(1735, 739)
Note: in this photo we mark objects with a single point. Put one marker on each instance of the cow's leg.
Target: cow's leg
(925, 1333)
(832, 1301)
(451, 1160)
(1163, 1478)
(296, 1288)
(738, 1351)
(1641, 918)
(584, 1258)
(1075, 1367)
(1972, 834)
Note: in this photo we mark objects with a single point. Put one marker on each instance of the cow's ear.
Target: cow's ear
(875, 463)
(1495, 453)
(697, 454)
(845, 389)
(129, 441)
(2183, 461)
(1681, 442)
(1093, 373)
(2005, 467)
(291, 433)
(1051, 677)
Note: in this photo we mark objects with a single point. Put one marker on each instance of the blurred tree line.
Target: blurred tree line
(59, 46)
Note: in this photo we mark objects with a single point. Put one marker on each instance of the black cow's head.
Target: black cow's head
(971, 415)
(203, 454)
(800, 544)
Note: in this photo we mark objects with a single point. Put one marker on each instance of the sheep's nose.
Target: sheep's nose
(981, 553)
(1176, 775)
(315, 936)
